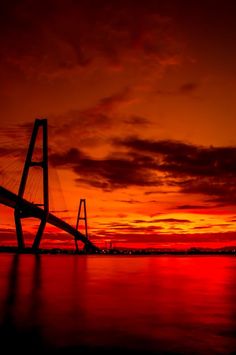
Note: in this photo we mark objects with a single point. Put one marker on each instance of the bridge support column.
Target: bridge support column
(82, 215)
(20, 212)
(39, 234)
(19, 233)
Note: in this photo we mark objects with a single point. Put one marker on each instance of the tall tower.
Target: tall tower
(21, 212)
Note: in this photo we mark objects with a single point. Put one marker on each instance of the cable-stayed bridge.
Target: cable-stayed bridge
(25, 209)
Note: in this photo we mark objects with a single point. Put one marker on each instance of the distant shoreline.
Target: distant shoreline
(56, 251)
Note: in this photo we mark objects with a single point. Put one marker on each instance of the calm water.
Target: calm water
(80, 304)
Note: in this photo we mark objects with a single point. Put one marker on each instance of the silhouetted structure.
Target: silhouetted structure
(24, 209)
(82, 216)
(21, 212)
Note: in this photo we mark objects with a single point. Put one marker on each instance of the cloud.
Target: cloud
(55, 37)
(163, 220)
(185, 159)
(184, 89)
(91, 126)
(221, 190)
(130, 201)
(203, 227)
(188, 168)
(192, 207)
(137, 120)
(188, 88)
(72, 156)
(112, 173)
(154, 192)
(193, 169)
(171, 220)
(125, 228)
(105, 173)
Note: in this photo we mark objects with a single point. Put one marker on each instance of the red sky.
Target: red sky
(140, 100)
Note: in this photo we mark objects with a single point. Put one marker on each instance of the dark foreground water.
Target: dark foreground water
(84, 304)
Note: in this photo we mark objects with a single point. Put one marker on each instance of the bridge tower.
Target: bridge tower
(82, 216)
(29, 162)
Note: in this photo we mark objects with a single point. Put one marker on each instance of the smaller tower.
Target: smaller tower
(82, 216)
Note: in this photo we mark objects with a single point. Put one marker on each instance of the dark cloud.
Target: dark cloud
(111, 101)
(137, 121)
(154, 192)
(188, 88)
(72, 156)
(114, 173)
(107, 174)
(128, 228)
(51, 37)
(192, 169)
(59, 211)
(91, 126)
(165, 220)
(172, 220)
(203, 227)
(192, 207)
(213, 225)
(183, 159)
(221, 190)
(59, 35)
(131, 201)
(184, 89)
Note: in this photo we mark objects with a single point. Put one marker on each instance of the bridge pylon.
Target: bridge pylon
(82, 216)
(20, 210)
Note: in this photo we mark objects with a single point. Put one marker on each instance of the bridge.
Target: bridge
(25, 209)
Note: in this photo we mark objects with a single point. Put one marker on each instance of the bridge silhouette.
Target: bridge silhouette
(25, 209)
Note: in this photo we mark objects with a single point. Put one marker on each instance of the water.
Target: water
(143, 304)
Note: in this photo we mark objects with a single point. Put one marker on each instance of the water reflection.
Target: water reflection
(166, 305)
(20, 325)
(10, 301)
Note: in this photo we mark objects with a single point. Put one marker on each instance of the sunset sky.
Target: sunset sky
(140, 100)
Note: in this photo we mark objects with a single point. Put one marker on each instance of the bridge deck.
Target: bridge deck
(10, 199)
